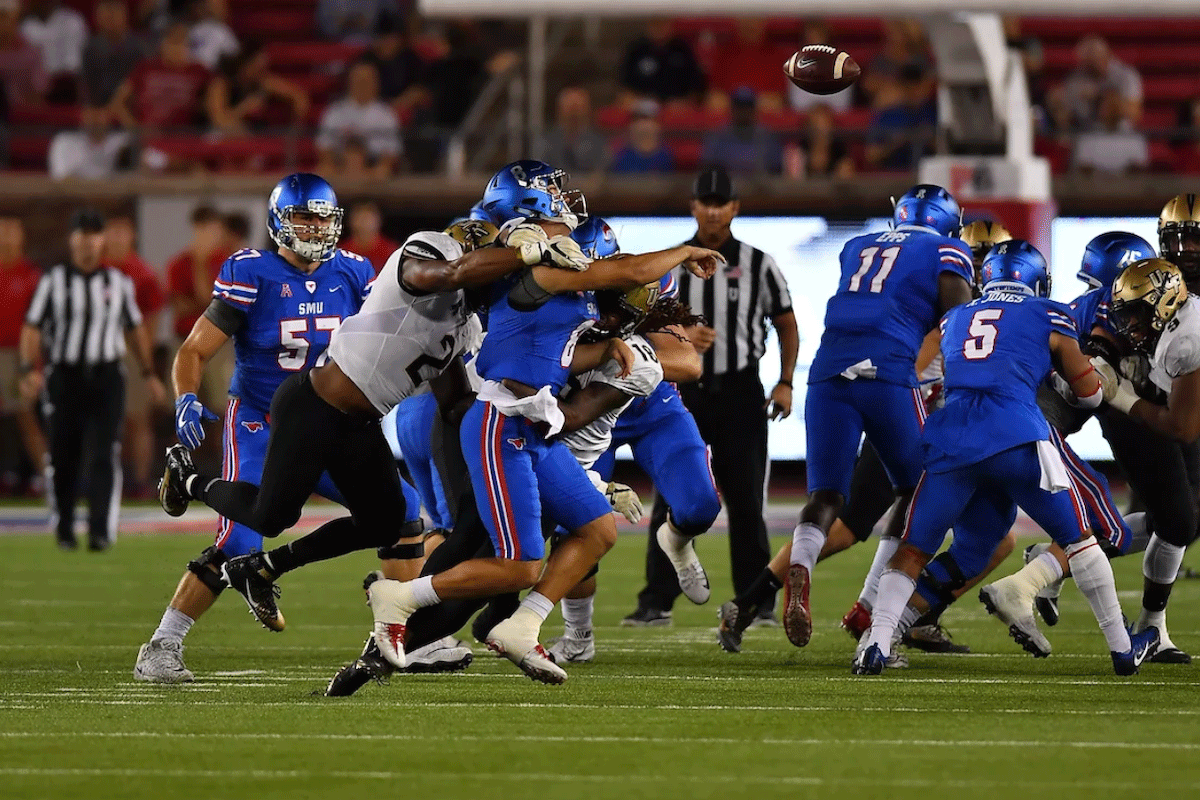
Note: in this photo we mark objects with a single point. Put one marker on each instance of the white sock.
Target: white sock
(895, 589)
(1156, 619)
(1094, 577)
(577, 616)
(174, 625)
(887, 547)
(538, 604)
(911, 614)
(807, 541)
(1139, 523)
(423, 593)
(1161, 562)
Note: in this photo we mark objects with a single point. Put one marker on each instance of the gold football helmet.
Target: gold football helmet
(981, 236)
(473, 234)
(1179, 234)
(626, 310)
(1145, 298)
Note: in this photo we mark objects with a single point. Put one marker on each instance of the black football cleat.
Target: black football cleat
(172, 489)
(369, 666)
(932, 639)
(1047, 608)
(734, 621)
(254, 581)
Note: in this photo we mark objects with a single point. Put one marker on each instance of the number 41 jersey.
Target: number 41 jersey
(886, 302)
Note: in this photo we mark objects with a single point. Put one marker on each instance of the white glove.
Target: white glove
(1123, 396)
(559, 251)
(624, 501)
(1136, 368)
(1109, 379)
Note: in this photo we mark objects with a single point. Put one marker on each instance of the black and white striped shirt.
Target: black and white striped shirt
(83, 317)
(737, 301)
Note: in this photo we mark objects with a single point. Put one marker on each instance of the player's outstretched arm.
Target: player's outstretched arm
(202, 343)
(476, 268)
(629, 271)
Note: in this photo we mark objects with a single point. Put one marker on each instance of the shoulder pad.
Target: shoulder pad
(432, 246)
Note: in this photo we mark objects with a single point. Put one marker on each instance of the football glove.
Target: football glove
(624, 501)
(557, 251)
(190, 414)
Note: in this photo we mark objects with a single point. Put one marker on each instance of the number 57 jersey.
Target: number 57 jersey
(886, 302)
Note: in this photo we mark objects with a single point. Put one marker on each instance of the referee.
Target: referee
(728, 402)
(76, 326)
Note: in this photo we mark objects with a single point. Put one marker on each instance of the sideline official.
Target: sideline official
(76, 328)
(728, 402)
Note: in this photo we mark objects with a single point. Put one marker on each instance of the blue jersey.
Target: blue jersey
(997, 351)
(887, 301)
(1090, 309)
(289, 315)
(536, 346)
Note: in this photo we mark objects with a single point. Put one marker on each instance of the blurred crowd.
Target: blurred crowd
(171, 297)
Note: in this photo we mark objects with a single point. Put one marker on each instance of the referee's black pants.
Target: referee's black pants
(309, 437)
(730, 413)
(84, 407)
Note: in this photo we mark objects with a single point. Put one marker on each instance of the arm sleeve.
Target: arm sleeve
(39, 306)
(229, 320)
(774, 290)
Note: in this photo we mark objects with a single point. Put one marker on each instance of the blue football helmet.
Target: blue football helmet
(1109, 253)
(930, 207)
(596, 239)
(304, 192)
(1015, 266)
(531, 189)
(477, 213)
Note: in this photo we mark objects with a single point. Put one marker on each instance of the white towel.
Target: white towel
(541, 407)
(1055, 477)
(863, 369)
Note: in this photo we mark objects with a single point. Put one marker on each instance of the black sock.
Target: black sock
(196, 486)
(760, 591)
(1155, 595)
(335, 538)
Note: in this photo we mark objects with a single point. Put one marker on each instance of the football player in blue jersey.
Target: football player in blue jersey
(279, 308)
(988, 451)
(894, 287)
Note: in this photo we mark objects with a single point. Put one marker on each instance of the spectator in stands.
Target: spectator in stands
(60, 33)
(120, 251)
(744, 147)
(823, 153)
(93, 152)
(111, 54)
(816, 31)
(209, 38)
(239, 96)
(20, 62)
(573, 143)
(450, 84)
(1097, 74)
(366, 238)
(353, 21)
(361, 113)
(747, 60)
(399, 66)
(235, 231)
(900, 134)
(353, 161)
(1114, 146)
(904, 46)
(22, 446)
(662, 66)
(163, 92)
(645, 151)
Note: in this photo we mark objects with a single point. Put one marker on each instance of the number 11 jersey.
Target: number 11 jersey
(886, 302)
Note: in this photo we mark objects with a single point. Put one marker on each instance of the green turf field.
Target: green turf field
(662, 713)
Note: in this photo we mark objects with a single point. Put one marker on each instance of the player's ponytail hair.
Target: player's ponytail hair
(668, 311)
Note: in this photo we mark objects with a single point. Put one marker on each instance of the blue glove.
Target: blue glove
(189, 414)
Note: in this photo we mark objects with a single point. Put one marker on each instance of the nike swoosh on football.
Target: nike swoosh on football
(805, 64)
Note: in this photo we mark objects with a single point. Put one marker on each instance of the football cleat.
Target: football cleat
(1142, 645)
(369, 666)
(797, 617)
(681, 552)
(573, 649)
(734, 621)
(518, 643)
(391, 605)
(1008, 604)
(172, 489)
(932, 639)
(250, 577)
(445, 655)
(869, 662)
(764, 619)
(645, 617)
(161, 661)
(857, 620)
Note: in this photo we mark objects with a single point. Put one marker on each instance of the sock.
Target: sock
(895, 588)
(197, 486)
(1161, 563)
(1094, 577)
(912, 615)
(1139, 523)
(174, 625)
(539, 604)
(335, 538)
(764, 587)
(423, 593)
(884, 551)
(807, 541)
(577, 616)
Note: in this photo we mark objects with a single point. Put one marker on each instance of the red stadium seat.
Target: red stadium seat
(612, 118)
(687, 153)
(690, 118)
(310, 56)
(56, 116)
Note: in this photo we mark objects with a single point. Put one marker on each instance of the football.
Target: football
(821, 69)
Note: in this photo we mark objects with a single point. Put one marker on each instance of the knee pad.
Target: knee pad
(940, 579)
(410, 546)
(211, 557)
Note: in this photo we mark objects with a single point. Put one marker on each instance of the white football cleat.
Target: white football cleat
(161, 661)
(518, 643)
(693, 580)
(573, 649)
(1010, 600)
(392, 603)
(445, 655)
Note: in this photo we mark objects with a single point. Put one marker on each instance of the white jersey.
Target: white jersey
(1178, 349)
(590, 442)
(399, 340)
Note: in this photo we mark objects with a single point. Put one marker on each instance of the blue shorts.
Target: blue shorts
(990, 491)
(245, 442)
(516, 474)
(837, 412)
(414, 419)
